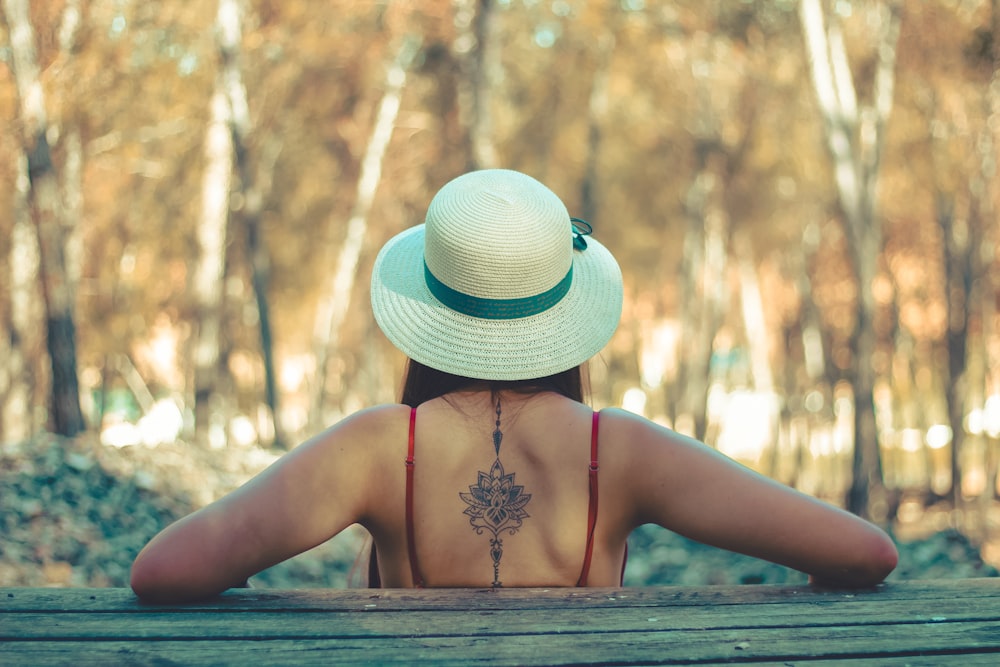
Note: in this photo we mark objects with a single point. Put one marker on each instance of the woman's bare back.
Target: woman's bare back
(501, 495)
(355, 472)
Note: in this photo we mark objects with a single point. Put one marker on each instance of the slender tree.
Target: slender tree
(48, 212)
(708, 214)
(855, 138)
(335, 297)
(989, 207)
(478, 55)
(213, 227)
(25, 316)
(597, 113)
(229, 36)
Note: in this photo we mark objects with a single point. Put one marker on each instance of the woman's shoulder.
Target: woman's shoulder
(365, 428)
(379, 415)
(377, 419)
(620, 415)
(628, 429)
(619, 418)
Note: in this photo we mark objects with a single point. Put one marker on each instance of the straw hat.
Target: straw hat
(497, 284)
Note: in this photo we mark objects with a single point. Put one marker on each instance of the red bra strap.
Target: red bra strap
(592, 509)
(411, 544)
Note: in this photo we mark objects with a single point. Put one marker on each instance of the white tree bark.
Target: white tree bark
(209, 271)
(250, 195)
(48, 214)
(835, 94)
(335, 298)
(752, 305)
(72, 172)
(480, 54)
(29, 87)
(597, 114)
(18, 384)
(210, 266)
(26, 314)
(855, 138)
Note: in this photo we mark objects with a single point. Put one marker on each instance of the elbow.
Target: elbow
(146, 582)
(876, 558)
(153, 581)
(141, 586)
(883, 558)
(879, 559)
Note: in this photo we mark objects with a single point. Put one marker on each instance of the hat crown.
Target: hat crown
(498, 284)
(498, 234)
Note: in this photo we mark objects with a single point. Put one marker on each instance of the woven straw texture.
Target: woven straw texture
(496, 234)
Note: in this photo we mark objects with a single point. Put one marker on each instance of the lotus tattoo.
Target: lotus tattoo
(496, 504)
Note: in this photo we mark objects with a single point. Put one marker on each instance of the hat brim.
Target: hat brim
(427, 331)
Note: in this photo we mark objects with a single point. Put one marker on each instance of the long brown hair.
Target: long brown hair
(423, 383)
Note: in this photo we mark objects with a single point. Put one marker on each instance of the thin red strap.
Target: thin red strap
(592, 509)
(411, 544)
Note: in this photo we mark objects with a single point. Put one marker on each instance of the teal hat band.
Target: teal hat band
(497, 309)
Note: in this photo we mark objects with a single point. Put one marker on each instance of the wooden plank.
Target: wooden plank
(91, 658)
(931, 623)
(979, 660)
(118, 599)
(373, 622)
(871, 643)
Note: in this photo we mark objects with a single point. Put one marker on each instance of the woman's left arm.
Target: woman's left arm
(303, 499)
(692, 489)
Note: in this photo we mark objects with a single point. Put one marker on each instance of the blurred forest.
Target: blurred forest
(802, 196)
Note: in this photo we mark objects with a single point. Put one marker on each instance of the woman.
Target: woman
(492, 471)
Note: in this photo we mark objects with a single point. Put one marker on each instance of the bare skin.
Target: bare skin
(354, 473)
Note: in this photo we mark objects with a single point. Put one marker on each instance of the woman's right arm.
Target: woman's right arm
(695, 491)
(303, 499)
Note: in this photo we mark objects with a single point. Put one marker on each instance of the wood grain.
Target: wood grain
(911, 623)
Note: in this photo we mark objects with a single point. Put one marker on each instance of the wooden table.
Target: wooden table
(913, 623)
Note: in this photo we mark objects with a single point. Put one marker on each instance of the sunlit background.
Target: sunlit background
(802, 196)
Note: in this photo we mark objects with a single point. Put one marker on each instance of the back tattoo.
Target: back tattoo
(496, 504)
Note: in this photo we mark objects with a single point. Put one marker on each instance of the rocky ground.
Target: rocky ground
(75, 513)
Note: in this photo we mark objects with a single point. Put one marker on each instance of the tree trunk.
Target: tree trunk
(804, 358)
(866, 463)
(958, 239)
(335, 298)
(596, 117)
(813, 347)
(702, 295)
(21, 354)
(47, 211)
(757, 339)
(72, 146)
(989, 196)
(209, 270)
(855, 139)
(752, 304)
(478, 53)
(229, 35)
(260, 275)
